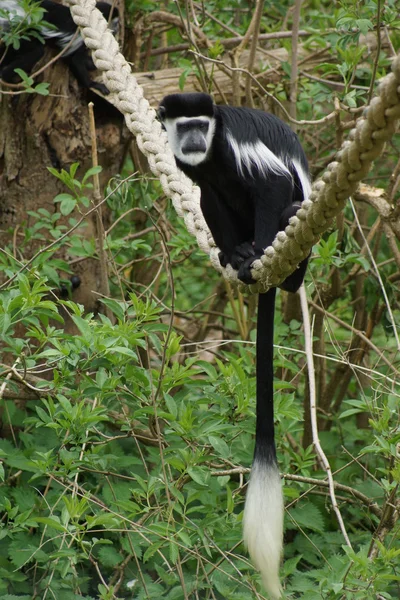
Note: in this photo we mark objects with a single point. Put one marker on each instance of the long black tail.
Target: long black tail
(263, 515)
(265, 437)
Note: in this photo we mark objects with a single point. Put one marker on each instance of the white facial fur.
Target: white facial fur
(176, 139)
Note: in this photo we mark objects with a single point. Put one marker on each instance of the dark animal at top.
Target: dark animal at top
(253, 176)
(59, 36)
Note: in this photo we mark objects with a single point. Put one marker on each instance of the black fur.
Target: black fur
(32, 50)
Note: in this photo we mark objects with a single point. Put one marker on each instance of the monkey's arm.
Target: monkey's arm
(225, 227)
(270, 198)
(80, 64)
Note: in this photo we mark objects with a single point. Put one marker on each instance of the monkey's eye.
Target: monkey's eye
(203, 127)
(161, 113)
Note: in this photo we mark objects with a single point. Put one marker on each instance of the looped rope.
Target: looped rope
(328, 194)
(340, 180)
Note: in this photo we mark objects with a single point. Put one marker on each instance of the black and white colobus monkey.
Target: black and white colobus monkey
(31, 50)
(253, 175)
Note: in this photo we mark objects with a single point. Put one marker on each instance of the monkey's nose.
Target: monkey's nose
(194, 144)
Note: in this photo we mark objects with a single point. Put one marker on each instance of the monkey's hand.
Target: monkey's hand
(96, 85)
(240, 254)
(244, 271)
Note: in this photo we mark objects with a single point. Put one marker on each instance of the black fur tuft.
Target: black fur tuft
(186, 105)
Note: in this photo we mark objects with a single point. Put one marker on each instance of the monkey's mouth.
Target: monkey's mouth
(195, 148)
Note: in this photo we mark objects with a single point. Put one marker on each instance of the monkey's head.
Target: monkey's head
(189, 120)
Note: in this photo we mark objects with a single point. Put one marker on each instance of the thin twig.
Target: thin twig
(313, 410)
(235, 311)
(253, 49)
(330, 117)
(8, 377)
(230, 42)
(104, 281)
(371, 256)
(356, 332)
(378, 51)
(294, 74)
(371, 504)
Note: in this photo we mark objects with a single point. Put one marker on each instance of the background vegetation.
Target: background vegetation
(127, 430)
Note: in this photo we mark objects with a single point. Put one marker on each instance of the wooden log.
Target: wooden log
(157, 84)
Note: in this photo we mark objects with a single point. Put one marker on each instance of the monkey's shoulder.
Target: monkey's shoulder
(253, 125)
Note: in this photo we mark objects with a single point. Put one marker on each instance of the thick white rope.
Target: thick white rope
(328, 195)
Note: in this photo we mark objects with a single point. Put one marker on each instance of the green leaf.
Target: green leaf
(67, 205)
(42, 414)
(121, 350)
(24, 76)
(173, 552)
(83, 326)
(171, 405)
(220, 446)
(51, 522)
(42, 88)
(308, 516)
(92, 171)
(350, 412)
(109, 556)
(185, 537)
(199, 475)
(230, 504)
(151, 551)
(364, 25)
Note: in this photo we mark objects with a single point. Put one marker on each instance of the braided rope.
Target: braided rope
(340, 180)
(328, 195)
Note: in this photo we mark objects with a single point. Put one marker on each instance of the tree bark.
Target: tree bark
(41, 131)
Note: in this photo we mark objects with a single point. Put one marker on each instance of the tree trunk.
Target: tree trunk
(41, 131)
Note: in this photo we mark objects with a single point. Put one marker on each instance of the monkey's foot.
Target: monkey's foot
(244, 271)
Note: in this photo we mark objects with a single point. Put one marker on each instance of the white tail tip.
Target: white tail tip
(263, 524)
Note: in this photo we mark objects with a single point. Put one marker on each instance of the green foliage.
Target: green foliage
(116, 469)
(41, 88)
(68, 202)
(23, 27)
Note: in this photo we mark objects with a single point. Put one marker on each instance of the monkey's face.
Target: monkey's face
(190, 138)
